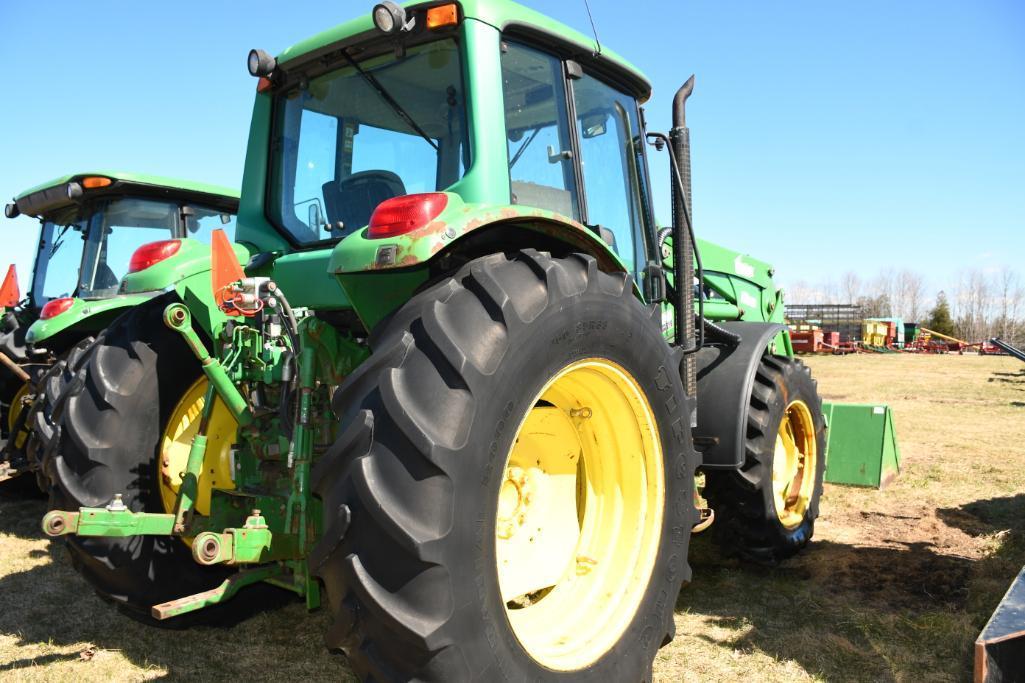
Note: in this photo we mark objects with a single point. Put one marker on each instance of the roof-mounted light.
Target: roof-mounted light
(94, 182)
(11, 210)
(390, 18)
(442, 16)
(261, 64)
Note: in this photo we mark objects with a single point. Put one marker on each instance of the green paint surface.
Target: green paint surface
(861, 444)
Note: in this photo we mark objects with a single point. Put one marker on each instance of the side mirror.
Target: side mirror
(594, 125)
(313, 217)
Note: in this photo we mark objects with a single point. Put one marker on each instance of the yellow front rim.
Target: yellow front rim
(17, 405)
(580, 512)
(794, 464)
(177, 440)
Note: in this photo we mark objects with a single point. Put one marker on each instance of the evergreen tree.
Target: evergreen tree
(939, 317)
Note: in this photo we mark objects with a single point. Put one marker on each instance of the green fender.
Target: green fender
(379, 275)
(187, 273)
(90, 315)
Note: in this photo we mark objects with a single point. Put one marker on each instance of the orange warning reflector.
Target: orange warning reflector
(93, 182)
(10, 295)
(224, 270)
(442, 15)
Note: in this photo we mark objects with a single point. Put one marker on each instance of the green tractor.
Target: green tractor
(90, 225)
(440, 398)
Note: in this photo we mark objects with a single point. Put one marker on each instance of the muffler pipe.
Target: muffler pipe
(683, 242)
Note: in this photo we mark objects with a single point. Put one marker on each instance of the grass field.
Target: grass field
(895, 586)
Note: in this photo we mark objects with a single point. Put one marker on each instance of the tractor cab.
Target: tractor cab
(387, 140)
(92, 224)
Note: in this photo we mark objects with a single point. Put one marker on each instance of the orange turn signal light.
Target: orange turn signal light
(442, 15)
(92, 182)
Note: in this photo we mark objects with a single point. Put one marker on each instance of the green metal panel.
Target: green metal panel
(171, 184)
(305, 279)
(861, 444)
(89, 315)
(500, 14)
(192, 258)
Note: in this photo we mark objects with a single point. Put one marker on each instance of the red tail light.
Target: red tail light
(153, 253)
(399, 215)
(54, 308)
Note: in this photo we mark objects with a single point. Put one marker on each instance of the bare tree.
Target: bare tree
(912, 291)
(883, 293)
(850, 287)
(1010, 291)
(973, 304)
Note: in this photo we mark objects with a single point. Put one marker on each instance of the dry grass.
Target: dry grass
(895, 586)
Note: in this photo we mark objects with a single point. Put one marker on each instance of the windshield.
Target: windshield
(116, 230)
(58, 260)
(361, 134)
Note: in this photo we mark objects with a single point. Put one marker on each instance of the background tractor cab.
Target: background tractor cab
(90, 226)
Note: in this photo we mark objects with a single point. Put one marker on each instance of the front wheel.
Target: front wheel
(765, 511)
(513, 495)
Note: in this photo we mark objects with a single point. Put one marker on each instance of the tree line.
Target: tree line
(981, 304)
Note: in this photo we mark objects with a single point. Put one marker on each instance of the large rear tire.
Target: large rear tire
(113, 414)
(765, 511)
(43, 416)
(472, 532)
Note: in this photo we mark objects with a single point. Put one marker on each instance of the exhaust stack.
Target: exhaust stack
(683, 245)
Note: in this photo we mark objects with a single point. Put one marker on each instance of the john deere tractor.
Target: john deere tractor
(90, 225)
(439, 398)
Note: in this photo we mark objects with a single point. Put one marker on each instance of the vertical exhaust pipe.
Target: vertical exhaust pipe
(683, 244)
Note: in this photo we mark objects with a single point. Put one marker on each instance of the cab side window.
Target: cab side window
(537, 130)
(612, 165)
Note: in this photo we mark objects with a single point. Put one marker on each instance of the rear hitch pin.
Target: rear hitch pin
(117, 504)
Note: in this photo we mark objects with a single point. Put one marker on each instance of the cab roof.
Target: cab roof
(53, 195)
(505, 15)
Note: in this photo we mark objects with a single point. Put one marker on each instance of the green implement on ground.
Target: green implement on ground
(454, 344)
(862, 445)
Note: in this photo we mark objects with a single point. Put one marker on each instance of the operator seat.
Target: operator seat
(352, 200)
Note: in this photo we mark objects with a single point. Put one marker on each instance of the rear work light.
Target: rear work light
(54, 308)
(153, 253)
(93, 182)
(399, 215)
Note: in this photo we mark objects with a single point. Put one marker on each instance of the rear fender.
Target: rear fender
(84, 317)
(358, 253)
(725, 379)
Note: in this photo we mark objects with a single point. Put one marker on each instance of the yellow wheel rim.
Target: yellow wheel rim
(794, 464)
(17, 405)
(177, 439)
(580, 513)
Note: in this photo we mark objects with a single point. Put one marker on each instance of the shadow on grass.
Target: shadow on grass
(842, 612)
(49, 606)
(1008, 377)
(897, 611)
(22, 507)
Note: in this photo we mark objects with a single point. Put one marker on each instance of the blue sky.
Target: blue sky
(827, 136)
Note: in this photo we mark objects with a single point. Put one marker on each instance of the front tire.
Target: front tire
(765, 511)
(473, 404)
